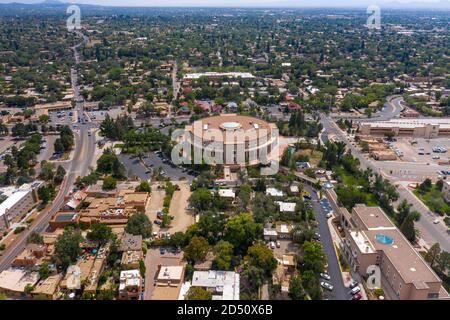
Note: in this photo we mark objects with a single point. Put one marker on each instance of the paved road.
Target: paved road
(431, 232)
(391, 109)
(434, 233)
(84, 150)
(340, 292)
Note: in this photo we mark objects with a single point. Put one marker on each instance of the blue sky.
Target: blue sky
(259, 3)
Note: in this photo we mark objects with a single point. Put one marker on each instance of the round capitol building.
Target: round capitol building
(232, 139)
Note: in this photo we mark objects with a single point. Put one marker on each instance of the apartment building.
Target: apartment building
(18, 203)
(372, 239)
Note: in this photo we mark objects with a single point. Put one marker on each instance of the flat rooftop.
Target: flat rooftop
(12, 200)
(16, 280)
(231, 121)
(219, 74)
(409, 123)
(225, 282)
(372, 217)
(403, 256)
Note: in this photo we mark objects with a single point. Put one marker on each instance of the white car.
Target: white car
(355, 290)
(272, 245)
(326, 285)
(436, 157)
(436, 221)
(326, 276)
(329, 215)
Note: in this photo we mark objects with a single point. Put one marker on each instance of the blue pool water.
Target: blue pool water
(384, 239)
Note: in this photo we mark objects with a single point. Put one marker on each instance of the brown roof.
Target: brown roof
(410, 265)
(372, 217)
(246, 123)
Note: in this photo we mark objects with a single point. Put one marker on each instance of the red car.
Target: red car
(357, 296)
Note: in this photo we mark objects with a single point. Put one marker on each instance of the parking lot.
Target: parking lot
(99, 115)
(60, 117)
(420, 150)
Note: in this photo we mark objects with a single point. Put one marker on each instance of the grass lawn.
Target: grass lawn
(434, 200)
(314, 158)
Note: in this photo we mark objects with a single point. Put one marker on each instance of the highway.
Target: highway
(79, 165)
(431, 233)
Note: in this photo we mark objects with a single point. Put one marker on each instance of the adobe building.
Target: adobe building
(372, 239)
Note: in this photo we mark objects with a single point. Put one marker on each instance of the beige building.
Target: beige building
(232, 139)
(13, 282)
(425, 128)
(372, 239)
(18, 203)
(48, 287)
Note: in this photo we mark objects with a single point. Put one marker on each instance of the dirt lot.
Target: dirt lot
(183, 218)
(156, 204)
(286, 246)
(178, 205)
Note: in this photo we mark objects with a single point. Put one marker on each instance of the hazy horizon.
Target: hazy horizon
(254, 3)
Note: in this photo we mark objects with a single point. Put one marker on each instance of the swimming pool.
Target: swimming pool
(384, 239)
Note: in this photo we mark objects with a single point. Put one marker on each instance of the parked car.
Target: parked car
(157, 222)
(436, 221)
(162, 250)
(325, 276)
(353, 284)
(355, 290)
(278, 244)
(357, 296)
(326, 285)
(272, 245)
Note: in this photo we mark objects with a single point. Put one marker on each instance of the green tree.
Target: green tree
(433, 254)
(47, 171)
(407, 228)
(139, 224)
(35, 238)
(260, 256)
(144, 186)
(142, 268)
(44, 271)
(197, 249)
(109, 183)
(296, 291)
(100, 233)
(313, 256)
(201, 200)
(46, 193)
(60, 174)
(67, 247)
(224, 254)
(241, 231)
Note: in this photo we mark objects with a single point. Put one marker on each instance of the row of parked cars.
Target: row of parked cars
(439, 149)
